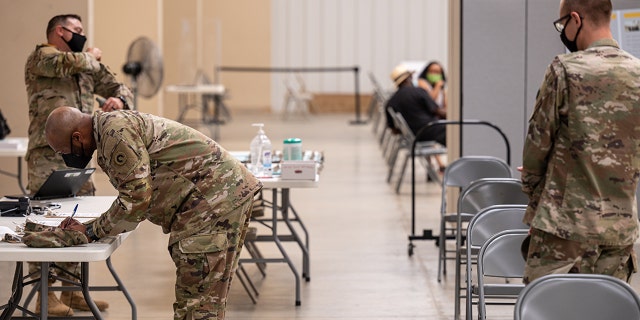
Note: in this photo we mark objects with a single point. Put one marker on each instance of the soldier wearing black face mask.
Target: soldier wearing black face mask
(60, 73)
(76, 43)
(572, 45)
(581, 163)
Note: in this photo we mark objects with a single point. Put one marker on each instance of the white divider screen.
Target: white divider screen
(506, 47)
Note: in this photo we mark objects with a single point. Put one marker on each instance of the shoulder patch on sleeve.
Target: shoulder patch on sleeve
(119, 158)
(123, 159)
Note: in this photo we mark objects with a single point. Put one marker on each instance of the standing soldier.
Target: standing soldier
(581, 160)
(175, 177)
(58, 74)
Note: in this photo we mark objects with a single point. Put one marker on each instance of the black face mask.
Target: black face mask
(76, 44)
(77, 161)
(571, 45)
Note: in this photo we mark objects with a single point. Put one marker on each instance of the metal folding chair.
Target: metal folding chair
(458, 175)
(484, 225)
(376, 105)
(577, 296)
(423, 149)
(297, 98)
(500, 257)
(480, 194)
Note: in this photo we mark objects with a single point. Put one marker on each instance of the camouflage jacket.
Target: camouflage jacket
(55, 78)
(581, 157)
(166, 172)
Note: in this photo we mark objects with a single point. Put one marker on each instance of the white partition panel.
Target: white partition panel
(506, 47)
(374, 35)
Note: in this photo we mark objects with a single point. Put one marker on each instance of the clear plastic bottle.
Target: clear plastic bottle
(261, 153)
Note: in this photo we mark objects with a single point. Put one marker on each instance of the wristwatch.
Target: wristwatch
(125, 105)
(91, 234)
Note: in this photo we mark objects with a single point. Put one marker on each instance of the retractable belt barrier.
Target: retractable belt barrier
(354, 69)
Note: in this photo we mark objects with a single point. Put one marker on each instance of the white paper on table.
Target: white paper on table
(4, 230)
(88, 215)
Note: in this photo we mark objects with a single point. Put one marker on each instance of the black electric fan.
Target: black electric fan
(144, 68)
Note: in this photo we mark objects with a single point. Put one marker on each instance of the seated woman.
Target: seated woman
(433, 80)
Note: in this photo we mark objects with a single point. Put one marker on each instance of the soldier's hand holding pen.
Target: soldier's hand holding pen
(72, 224)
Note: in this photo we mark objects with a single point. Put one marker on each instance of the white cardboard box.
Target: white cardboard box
(298, 170)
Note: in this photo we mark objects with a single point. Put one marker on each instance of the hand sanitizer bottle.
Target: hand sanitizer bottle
(261, 153)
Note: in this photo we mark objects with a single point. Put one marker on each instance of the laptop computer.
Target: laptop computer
(63, 183)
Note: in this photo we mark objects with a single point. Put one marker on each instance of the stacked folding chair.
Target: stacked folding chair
(482, 227)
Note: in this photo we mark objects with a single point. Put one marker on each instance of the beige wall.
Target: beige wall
(114, 30)
(246, 41)
(245, 29)
(232, 33)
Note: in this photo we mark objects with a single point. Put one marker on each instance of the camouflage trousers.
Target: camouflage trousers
(40, 164)
(549, 254)
(205, 265)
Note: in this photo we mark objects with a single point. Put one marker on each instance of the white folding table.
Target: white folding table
(88, 207)
(283, 187)
(14, 147)
(187, 98)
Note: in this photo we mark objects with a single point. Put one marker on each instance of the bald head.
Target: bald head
(62, 123)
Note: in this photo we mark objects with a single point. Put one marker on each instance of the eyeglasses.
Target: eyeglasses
(65, 28)
(559, 25)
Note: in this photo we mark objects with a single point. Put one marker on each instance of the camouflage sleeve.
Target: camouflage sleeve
(543, 126)
(54, 63)
(55, 238)
(128, 168)
(107, 85)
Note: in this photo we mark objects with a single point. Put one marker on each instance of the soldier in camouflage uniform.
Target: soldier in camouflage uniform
(581, 158)
(175, 177)
(58, 74)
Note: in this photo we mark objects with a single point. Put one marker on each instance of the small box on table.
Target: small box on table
(298, 170)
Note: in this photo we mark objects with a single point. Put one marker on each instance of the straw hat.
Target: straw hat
(400, 73)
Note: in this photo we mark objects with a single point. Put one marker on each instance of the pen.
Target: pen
(74, 211)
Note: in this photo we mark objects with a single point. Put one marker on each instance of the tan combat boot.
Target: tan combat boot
(54, 306)
(75, 300)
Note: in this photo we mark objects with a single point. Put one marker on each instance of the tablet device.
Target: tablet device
(63, 183)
